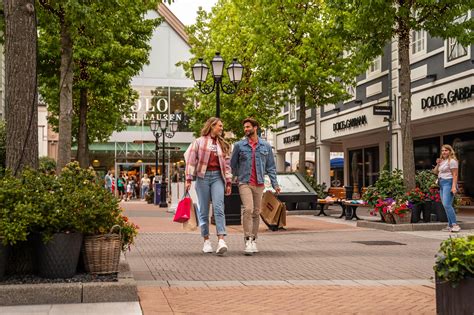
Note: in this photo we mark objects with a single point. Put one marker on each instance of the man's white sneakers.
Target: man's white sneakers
(248, 251)
(254, 246)
(221, 247)
(207, 248)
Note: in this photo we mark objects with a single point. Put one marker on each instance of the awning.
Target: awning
(337, 162)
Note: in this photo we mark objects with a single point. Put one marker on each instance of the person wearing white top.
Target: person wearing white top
(447, 170)
(145, 184)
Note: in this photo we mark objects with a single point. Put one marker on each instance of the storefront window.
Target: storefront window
(426, 152)
(463, 145)
(363, 167)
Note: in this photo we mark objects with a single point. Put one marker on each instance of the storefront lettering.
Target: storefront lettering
(451, 97)
(292, 138)
(349, 123)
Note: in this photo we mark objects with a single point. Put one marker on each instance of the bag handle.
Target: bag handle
(186, 193)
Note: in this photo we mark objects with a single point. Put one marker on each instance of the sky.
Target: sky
(185, 10)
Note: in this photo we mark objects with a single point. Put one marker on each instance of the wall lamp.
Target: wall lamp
(336, 110)
(358, 102)
(431, 77)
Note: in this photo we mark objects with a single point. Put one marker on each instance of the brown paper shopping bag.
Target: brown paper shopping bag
(193, 223)
(271, 211)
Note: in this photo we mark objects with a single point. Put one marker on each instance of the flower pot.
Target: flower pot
(406, 218)
(59, 257)
(427, 211)
(388, 218)
(101, 253)
(438, 209)
(416, 212)
(456, 300)
(4, 251)
(22, 258)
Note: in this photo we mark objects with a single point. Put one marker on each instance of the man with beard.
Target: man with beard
(252, 159)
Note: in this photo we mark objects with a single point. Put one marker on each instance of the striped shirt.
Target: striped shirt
(197, 157)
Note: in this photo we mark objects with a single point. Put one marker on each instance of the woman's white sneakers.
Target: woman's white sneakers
(221, 247)
(207, 248)
(455, 228)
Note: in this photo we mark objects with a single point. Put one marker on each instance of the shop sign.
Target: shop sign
(157, 111)
(349, 123)
(451, 97)
(291, 139)
(383, 110)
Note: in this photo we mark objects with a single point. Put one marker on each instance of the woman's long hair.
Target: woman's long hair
(452, 154)
(206, 130)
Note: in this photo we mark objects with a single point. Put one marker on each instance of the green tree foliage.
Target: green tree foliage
(110, 45)
(288, 49)
(371, 24)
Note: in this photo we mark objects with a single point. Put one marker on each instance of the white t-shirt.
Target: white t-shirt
(445, 168)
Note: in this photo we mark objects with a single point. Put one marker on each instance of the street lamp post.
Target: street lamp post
(162, 128)
(234, 70)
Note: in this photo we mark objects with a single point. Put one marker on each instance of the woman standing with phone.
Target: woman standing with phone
(447, 170)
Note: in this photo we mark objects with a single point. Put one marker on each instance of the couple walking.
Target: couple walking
(211, 161)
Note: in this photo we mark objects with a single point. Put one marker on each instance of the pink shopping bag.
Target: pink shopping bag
(183, 211)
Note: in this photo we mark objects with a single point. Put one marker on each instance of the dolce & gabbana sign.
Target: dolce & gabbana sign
(349, 123)
(291, 139)
(451, 97)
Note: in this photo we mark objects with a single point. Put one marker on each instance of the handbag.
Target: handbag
(183, 211)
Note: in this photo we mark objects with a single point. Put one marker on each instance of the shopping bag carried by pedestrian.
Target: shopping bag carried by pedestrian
(193, 223)
(273, 211)
(183, 211)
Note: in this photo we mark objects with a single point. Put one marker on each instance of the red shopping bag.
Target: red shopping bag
(183, 211)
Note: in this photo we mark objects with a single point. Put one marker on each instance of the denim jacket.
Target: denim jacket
(241, 162)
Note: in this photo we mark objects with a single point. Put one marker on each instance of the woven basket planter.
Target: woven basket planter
(388, 217)
(402, 220)
(102, 253)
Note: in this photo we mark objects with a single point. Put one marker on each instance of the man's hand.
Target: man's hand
(187, 187)
(228, 189)
(278, 190)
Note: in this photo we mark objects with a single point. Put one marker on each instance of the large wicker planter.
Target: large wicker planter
(402, 220)
(58, 258)
(102, 253)
(456, 300)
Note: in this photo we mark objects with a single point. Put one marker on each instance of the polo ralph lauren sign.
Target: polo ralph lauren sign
(349, 123)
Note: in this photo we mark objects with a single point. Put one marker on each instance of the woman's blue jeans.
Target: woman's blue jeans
(447, 198)
(144, 191)
(211, 187)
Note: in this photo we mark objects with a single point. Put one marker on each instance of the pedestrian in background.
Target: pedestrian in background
(447, 170)
(145, 183)
(108, 181)
(252, 159)
(208, 159)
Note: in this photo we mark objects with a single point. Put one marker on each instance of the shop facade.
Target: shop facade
(442, 75)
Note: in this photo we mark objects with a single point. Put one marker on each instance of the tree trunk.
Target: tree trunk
(405, 92)
(65, 98)
(83, 136)
(302, 149)
(21, 95)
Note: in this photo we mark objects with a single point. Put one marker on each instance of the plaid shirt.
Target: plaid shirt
(197, 157)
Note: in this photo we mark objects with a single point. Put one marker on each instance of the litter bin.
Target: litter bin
(232, 207)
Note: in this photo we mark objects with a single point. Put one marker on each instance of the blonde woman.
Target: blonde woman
(208, 158)
(447, 170)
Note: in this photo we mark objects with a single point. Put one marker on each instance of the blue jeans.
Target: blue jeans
(447, 198)
(144, 191)
(211, 187)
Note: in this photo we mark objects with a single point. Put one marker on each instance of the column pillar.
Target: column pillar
(280, 161)
(323, 162)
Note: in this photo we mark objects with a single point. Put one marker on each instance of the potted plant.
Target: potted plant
(17, 216)
(417, 198)
(58, 200)
(384, 208)
(402, 212)
(454, 273)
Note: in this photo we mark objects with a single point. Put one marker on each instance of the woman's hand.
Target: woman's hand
(228, 189)
(454, 190)
(187, 186)
(438, 161)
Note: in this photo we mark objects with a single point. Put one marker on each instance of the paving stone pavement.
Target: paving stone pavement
(315, 267)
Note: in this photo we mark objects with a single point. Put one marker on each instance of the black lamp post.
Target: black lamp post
(163, 128)
(234, 70)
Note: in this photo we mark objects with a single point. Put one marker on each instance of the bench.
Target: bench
(347, 205)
